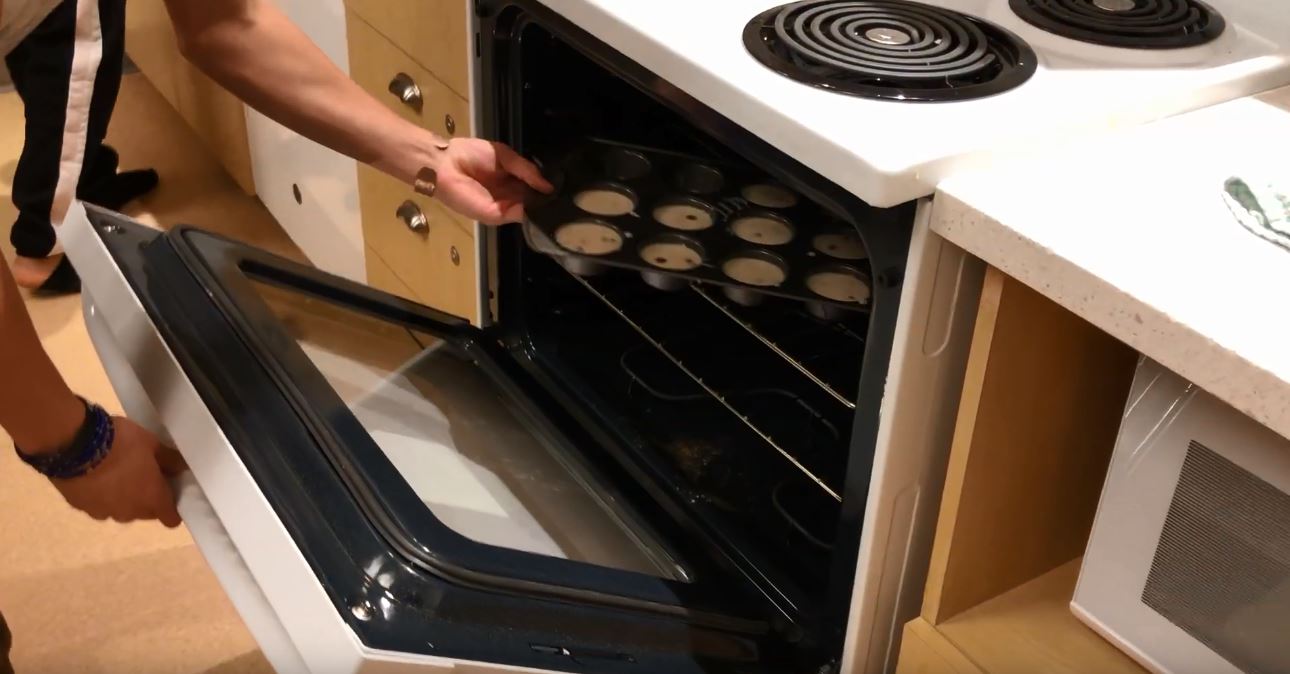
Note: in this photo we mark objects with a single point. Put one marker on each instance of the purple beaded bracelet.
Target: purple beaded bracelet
(88, 449)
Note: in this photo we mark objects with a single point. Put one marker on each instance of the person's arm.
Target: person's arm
(36, 408)
(253, 50)
(42, 416)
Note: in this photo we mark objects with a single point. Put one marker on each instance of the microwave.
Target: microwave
(1188, 565)
(603, 476)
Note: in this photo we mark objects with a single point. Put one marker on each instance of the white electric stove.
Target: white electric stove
(890, 152)
(611, 477)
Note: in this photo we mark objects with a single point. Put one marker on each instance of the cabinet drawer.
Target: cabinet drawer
(433, 32)
(393, 77)
(435, 260)
(381, 277)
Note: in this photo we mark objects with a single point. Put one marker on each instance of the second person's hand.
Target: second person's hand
(131, 483)
(486, 181)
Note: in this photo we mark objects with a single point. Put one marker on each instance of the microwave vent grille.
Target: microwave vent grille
(1221, 570)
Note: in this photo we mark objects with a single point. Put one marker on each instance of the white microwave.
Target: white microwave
(1188, 565)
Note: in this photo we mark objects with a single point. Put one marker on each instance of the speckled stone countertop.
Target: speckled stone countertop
(1132, 233)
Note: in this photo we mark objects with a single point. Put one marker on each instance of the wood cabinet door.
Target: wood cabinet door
(433, 32)
(396, 79)
(415, 245)
(217, 116)
(426, 248)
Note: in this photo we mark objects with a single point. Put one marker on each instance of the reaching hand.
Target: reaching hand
(130, 483)
(486, 181)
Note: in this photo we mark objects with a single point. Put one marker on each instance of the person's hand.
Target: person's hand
(131, 482)
(486, 181)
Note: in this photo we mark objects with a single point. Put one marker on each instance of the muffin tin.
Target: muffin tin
(678, 219)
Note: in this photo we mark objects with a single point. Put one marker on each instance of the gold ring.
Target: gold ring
(427, 181)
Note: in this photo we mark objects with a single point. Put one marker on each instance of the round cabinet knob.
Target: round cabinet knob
(413, 217)
(450, 125)
(407, 91)
(454, 256)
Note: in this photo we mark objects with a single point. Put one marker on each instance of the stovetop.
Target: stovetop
(890, 50)
(887, 150)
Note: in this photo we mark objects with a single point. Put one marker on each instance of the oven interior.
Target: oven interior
(741, 420)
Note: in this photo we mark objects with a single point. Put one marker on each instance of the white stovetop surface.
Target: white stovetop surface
(890, 152)
(1131, 233)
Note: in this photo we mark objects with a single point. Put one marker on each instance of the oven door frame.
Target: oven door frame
(923, 318)
(288, 592)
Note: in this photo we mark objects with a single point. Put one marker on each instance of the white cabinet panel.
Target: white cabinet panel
(312, 191)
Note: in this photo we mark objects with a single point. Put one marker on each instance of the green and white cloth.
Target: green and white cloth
(1262, 205)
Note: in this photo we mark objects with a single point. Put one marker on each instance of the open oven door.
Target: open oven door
(379, 487)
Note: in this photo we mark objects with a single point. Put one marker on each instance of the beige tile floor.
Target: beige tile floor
(84, 596)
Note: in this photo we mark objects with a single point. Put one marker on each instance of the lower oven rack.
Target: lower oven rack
(723, 397)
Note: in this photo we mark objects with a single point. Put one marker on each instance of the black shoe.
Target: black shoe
(64, 280)
(114, 192)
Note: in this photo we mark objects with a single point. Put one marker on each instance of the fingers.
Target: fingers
(171, 462)
(158, 501)
(523, 169)
(169, 516)
(513, 212)
(471, 199)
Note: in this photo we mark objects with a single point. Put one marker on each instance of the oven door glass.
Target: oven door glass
(467, 448)
(408, 455)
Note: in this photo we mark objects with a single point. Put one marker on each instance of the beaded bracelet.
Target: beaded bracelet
(88, 449)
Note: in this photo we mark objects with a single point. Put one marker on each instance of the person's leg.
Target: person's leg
(41, 67)
(69, 77)
(100, 184)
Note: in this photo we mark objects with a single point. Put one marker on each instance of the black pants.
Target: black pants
(42, 69)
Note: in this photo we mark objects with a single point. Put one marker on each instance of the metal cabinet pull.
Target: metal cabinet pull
(412, 216)
(450, 125)
(407, 91)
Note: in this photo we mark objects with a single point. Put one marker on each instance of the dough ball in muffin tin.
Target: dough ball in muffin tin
(840, 284)
(843, 244)
(673, 253)
(758, 268)
(670, 253)
(687, 215)
(588, 237)
(769, 195)
(762, 228)
(607, 200)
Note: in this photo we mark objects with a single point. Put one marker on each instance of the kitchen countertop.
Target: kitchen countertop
(1148, 251)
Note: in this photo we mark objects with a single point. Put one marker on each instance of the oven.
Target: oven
(606, 477)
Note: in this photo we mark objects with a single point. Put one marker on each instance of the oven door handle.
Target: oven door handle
(212, 539)
(234, 576)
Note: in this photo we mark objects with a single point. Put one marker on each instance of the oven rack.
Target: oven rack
(716, 395)
(799, 363)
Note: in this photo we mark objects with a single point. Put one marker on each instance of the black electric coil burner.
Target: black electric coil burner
(889, 49)
(1134, 24)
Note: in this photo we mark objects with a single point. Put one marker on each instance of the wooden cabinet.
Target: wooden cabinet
(396, 79)
(434, 33)
(1041, 406)
(416, 247)
(430, 251)
(216, 116)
